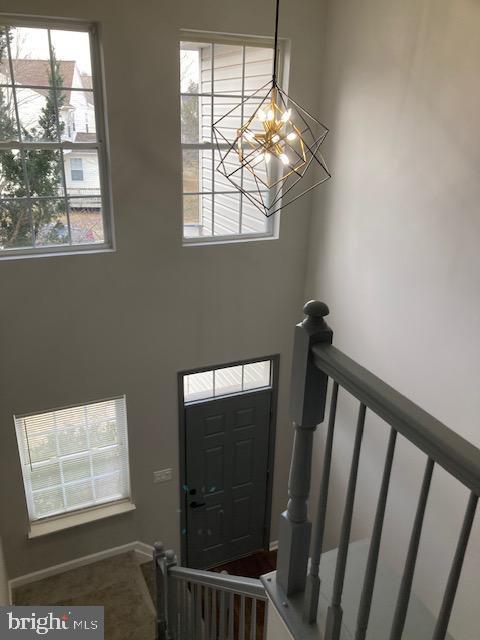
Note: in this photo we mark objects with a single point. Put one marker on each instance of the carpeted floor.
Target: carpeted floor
(116, 583)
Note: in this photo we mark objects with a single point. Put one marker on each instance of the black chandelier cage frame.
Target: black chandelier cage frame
(311, 134)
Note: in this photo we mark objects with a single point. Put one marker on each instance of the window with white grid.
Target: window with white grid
(223, 381)
(74, 458)
(216, 75)
(53, 167)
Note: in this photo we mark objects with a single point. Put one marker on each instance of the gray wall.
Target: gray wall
(394, 251)
(3, 578)
(83, 327)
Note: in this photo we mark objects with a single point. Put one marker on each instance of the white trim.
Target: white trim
(101, 144)
(205, 241)
(141, 550)
(273, 546)
(67, 520)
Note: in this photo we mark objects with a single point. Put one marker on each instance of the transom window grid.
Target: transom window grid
(74, 458)
(81, 216)
(223, 381)
(215, 210)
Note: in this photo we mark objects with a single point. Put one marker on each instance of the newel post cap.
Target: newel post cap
(314, 324)
(316, 309)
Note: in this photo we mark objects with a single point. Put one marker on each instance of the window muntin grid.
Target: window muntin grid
(224, 381)
(74, 458)
(213, 209)
(66, 216)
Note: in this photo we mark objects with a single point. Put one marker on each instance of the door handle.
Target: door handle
(196, 505)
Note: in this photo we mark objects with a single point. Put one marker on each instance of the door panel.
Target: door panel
(226, 472)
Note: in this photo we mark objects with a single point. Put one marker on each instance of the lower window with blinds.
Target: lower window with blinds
(74, 458)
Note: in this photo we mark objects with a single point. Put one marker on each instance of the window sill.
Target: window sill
(207, 241)
(66, 521)
(52, 252)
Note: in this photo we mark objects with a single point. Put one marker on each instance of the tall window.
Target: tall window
(50, 114)
(74, 458)
(216, 76)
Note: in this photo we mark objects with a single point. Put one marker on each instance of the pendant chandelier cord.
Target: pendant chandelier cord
(275, 55)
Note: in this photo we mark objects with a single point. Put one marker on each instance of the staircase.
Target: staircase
(336, 603)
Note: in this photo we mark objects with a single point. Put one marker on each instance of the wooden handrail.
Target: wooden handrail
(448, 449)
(315, 361)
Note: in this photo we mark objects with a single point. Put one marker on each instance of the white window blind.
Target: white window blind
(75, 457)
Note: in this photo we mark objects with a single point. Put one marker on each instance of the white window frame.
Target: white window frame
(205, 396)
(273, 222)
(100, 145)
(74, 516)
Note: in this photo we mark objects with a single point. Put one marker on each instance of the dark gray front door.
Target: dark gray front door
(226, 471)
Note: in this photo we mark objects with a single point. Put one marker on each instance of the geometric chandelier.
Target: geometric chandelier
(276, 143)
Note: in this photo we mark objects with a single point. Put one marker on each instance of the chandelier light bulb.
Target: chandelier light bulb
(270, 115)
(292, 136)
(275, 138)
(286, 115)
(261, 115)
(284, 158)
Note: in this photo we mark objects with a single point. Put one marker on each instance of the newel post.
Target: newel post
(307, 409)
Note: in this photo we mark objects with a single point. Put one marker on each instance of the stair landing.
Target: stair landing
(419, 624)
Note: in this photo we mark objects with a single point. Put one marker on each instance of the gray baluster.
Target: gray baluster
(241, 624)
(171, 595)
(183, 611)
(312, 589)
(372, 560)
(231, 617)
(214, 615)
(222, 623)
(206, 612)
(308, 396)
(193, 628)
(265, 611)
(454, 576)
(253, 620)
(335, 612)
(160, 590)
(410, 562)
(198, 612)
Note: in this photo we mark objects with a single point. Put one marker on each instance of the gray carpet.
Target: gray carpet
(116, 583)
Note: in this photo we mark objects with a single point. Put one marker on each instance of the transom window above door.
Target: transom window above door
(224, 381)
(216, 75)
(53, 166)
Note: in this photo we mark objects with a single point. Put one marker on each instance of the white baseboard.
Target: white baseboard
(143, 552)
(273, 546)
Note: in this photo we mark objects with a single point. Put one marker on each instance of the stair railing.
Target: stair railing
(295, 588)
(205, 605)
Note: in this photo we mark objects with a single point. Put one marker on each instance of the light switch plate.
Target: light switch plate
(164, 475)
